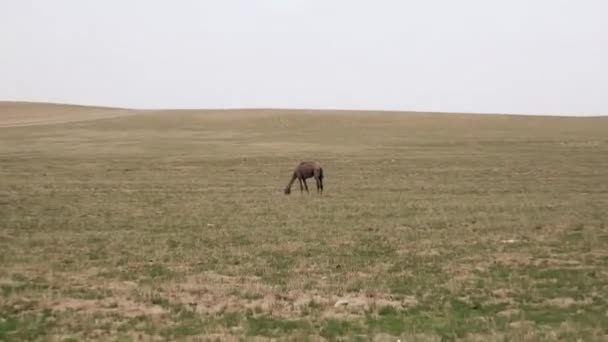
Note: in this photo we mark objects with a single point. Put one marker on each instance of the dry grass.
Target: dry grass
(173, 225)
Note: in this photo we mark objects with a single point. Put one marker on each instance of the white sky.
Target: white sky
(506, 56)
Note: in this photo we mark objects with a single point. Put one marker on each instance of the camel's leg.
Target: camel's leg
(305, 185)
(318, 174)
(301, 188)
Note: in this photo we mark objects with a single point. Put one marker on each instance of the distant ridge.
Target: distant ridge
(19, 113)
(32, 104)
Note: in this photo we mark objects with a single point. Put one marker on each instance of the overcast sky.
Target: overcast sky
(498, 56)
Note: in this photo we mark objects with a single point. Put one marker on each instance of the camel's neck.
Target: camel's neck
(293, 179)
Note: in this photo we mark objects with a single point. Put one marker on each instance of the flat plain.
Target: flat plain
(172, 225)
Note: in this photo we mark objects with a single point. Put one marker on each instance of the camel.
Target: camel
(304, 170)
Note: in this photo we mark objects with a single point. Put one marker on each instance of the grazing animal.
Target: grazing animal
(304, 170)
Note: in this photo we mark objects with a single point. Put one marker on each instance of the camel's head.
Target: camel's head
(287, 191)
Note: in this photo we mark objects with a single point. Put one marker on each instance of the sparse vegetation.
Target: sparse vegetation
(431, 227)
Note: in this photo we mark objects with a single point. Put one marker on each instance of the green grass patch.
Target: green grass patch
(25, 327)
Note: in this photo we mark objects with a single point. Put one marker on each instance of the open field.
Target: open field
(172, 225)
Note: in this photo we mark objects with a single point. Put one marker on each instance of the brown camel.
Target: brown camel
(304, 170)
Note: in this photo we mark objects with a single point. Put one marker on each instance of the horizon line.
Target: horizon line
(394, 111)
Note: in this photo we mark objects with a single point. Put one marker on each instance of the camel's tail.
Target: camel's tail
(320, 173)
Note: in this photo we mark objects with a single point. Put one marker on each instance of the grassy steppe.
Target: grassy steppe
(173, 225)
